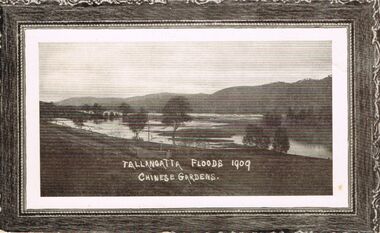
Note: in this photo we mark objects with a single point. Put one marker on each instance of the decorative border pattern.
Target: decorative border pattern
(164, 2)
(351, 1)
(82, 2)
(376, 126)
(376, 66)
(151, 2)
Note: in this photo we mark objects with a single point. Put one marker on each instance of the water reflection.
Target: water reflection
(155, 132)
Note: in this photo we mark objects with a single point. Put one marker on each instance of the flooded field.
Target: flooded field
(204, 131)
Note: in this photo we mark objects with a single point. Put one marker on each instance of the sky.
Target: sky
(138, 68)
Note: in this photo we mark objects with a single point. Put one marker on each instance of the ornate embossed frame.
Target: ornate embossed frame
(361, 16)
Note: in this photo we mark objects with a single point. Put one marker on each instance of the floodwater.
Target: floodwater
(234, 124)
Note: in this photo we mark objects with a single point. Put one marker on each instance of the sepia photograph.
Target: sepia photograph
(203, 115)
(132, 114)
(190, 116)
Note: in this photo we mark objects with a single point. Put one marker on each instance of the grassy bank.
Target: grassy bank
(77, 162)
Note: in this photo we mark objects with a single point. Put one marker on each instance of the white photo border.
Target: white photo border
(342, 140)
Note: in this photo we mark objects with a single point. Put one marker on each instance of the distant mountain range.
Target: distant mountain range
(278, 96)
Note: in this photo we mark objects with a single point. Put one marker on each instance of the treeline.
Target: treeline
(50, 111)
(272, 132)
(95, 111)
(174, 114)
(311, 115)
(136, 120)
(268, 135)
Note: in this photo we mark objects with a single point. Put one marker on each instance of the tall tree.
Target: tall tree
(98, 110)
(255, 136)
(137, 121)
(175, 113)
(290, 114)
(125, 109)
(281, 140)
(272, 120)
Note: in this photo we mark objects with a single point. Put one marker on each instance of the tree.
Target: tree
(290, 115)
(281, 140)
(325, 114)
(78, 121)
(126, 109)
(98, 110)
(302, 114)
(86, 107)
(137, 121)
(175, 113)
(255, 136)
(111, 116)
(272, 120)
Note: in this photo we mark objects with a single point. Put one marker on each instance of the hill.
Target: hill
(279, 96)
